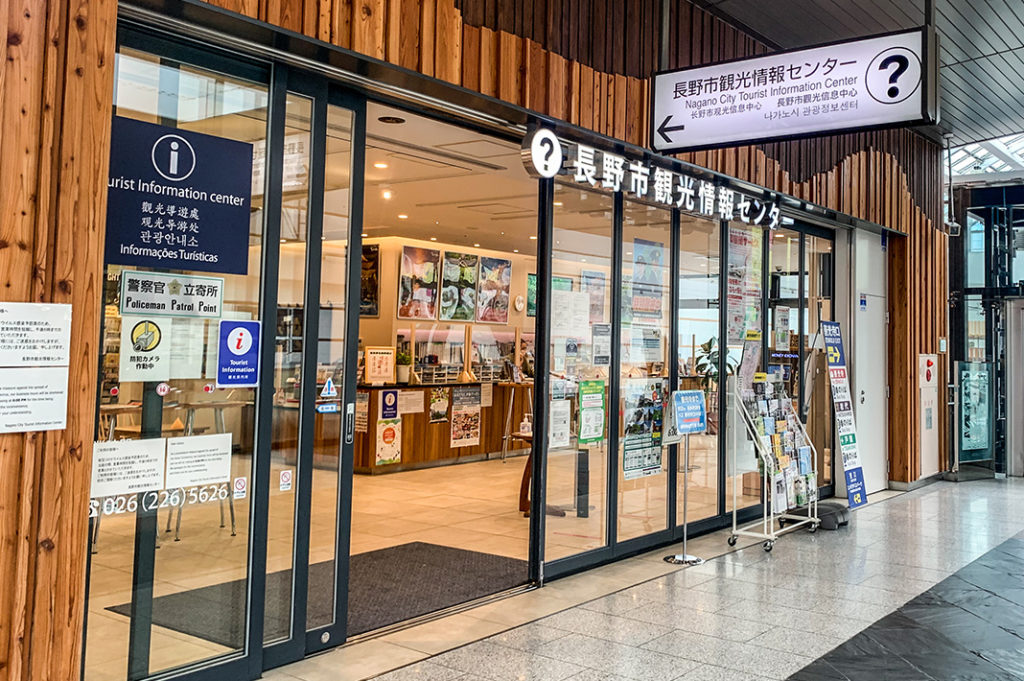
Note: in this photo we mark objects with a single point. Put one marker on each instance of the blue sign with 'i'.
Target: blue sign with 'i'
(238, 354)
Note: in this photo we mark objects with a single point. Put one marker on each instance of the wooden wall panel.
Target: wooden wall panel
(56, 106)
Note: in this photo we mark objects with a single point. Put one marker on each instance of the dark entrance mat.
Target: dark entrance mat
(385, 587)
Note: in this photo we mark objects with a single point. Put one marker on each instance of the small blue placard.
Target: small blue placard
(238, 354)
(691, 414)
(328, 408)
(389, 404)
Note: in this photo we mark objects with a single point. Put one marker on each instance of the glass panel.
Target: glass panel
(643, 377)
(580, 326)
(197, 558)
(744, 288)
(975, 313)
(330, 359)
(975, 256)
(817, 393)
(288, 341)
(784, 308)
(699, 271)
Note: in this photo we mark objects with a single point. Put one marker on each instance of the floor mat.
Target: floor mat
(385, 586)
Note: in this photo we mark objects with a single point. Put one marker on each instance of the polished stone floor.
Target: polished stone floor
(968, 626)
(747, 614)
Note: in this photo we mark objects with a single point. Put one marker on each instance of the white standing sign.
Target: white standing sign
(843, 86)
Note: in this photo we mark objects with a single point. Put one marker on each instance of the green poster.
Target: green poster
(592, 412)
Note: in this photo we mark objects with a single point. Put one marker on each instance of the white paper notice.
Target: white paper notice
(34, 334)
(486, 394)
(145, 349)
(410, 401)
(127, 467)
(34, 398)
(559, 412)
(187, 348)
(198, 460)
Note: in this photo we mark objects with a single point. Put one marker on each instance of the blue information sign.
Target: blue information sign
(691, 414)
(845, 423)
(238, 354)
(389, 404)
(177, 199)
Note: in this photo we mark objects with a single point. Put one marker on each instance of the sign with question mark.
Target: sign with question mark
(544, 152)
(893, 75)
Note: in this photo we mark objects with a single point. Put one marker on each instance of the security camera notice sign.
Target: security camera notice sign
(850, 85)
(177, 199)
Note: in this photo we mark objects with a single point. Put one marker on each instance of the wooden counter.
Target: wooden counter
(426, 444)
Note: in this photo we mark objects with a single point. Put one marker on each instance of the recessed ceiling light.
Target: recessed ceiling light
(284, 240)
(558, 203)
(534, 238)
(380, 164)
(583, 259)
(391, 120)
(476, 245)
(433, 238)
(387, 194)
(515, 250)
(365, 235)
(403, 216)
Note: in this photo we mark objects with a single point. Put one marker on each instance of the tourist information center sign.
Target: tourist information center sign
(177, 199)
(880, 81)
(846, 426)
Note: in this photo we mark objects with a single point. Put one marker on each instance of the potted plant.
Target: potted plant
(403, 364)
(706, 367)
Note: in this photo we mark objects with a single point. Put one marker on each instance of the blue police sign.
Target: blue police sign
(177, 199)
(690, 412)
(238, 354)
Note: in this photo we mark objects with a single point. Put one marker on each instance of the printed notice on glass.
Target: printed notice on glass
(362, 411)
(33, 398)
(592, 412)
(172, 295)
(559, 417)
(186, 350)
(145, 353)
(198, 460)
(34, 334)
(601, 344)
(127, 467)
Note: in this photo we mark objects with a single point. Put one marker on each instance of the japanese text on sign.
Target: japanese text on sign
(171, 294)
(845, 424)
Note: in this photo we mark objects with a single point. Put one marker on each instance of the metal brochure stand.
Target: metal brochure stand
(766, 527)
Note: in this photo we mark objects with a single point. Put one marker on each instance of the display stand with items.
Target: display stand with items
(786, 459)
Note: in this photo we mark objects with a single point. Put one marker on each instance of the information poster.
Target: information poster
(531, 295)
(362, 411)
(417, 283)
(601, 344)
(198, 460)
(492, 298)
(743, 282)
(186, 350)
(782, 329)
(593, 284)
(388, 405)
(35, 340)
(751, 358)
(465, 416)
(410, 401)
(689, 412)
(439, 399)
(380, 365)
(369, 281)
(458, 286)
(33, 398)
(845, 423)
(177, 199)
(648, 272)
(145, 353)
(975, 408)
(592, 412)
(486, 394)
(559, 419)
(643, 417)
(389, 441)
(127, 466)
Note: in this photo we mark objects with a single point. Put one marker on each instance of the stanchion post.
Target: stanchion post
(685, 558)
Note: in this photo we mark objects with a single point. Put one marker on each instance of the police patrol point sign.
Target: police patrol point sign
(879, 81)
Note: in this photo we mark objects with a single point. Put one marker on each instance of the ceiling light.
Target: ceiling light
(534, 238)
(583, 259)
(515, 250)
(558, 203)
(433, 238)
(365, 235)
(391, 120)
(476, 245)
(380, 164)
(403, 216)
(386, 194)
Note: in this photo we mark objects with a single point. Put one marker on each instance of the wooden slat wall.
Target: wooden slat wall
(55, 105)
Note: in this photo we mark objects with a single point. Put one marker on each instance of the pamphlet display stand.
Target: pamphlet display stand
(787, 461)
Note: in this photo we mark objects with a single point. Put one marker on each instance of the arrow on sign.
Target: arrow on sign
(666, 128)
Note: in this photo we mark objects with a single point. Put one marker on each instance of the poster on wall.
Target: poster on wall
(465, 416)
(369, 282)
(531, 295)
(648, 270)
(439, 398)
(458, 286)
(743, 283)
(380, 365)
(643, 419)
(593, 283)
(417, 283)
(362, 411)
(846, 426)
(493, 290)
(561, 283)
(389, 441)
(782, 329)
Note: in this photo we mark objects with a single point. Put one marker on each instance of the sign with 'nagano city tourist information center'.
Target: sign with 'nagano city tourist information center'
(880, 81)
(177, 199)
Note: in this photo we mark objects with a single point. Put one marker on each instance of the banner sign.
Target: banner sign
(177, 199)
(845, 424)
(881, 81)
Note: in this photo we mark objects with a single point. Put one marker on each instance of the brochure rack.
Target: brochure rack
(775, 458)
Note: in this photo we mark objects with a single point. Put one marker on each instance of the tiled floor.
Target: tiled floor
(745, 615)
(968, 626)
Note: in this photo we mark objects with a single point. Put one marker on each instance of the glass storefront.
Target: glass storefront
(380, 465)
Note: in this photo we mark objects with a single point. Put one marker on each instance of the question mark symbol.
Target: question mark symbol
(548, 144)
(902, 64)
